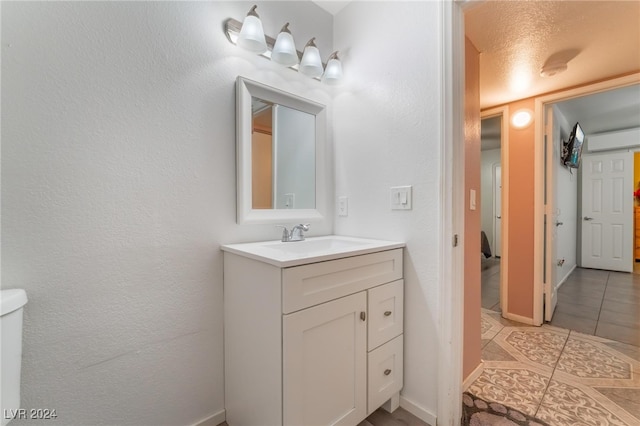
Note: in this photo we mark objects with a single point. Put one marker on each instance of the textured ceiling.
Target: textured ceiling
(601, 39)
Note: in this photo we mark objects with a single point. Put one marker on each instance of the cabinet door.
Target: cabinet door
(325, 363)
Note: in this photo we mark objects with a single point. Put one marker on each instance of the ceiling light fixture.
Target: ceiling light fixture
(282, 50)
(521, 118)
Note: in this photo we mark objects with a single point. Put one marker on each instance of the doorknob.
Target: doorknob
(498, 217)
(558, 223)
(588, 218)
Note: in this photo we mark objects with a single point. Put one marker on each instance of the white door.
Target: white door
(497, 210)
(552, 157)
(325, 363)
(607, 211)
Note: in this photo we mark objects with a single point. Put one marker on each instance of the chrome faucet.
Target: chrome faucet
(296, 233)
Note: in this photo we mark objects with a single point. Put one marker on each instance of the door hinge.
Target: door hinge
(455, 240)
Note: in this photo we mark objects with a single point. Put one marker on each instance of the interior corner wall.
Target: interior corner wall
(521, 215)
(387, 133)
(118, 188)
(472, 285)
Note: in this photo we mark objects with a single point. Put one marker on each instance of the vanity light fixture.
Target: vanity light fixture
(284, 51)
(251, 35)
(521, 118)
(333, 71)
(311, 64)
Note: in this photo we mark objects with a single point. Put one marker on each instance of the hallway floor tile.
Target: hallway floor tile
(560, 376)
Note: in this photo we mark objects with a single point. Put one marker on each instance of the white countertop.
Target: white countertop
(313, 249)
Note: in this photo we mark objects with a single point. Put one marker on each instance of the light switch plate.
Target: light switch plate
(472, 199)
(343, 206)
(401, 197)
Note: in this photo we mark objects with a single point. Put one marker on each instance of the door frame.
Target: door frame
(496, 189)
(452, 199)
(538, 242)
(504, 199)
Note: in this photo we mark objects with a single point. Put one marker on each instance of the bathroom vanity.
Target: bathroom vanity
(313, 330)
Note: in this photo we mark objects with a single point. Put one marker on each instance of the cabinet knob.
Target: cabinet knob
(387, 372)
(387, 313)
(363, 316)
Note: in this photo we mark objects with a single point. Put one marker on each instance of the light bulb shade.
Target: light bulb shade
(252, 35)
(311, 64)
(284, 51)
(333, 72)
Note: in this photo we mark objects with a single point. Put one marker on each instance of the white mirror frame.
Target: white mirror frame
(245, 90)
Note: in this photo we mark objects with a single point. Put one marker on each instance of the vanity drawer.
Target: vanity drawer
(385, 373)
(308, 285)
(385, 308)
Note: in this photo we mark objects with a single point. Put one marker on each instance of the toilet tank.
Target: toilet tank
(11, 304)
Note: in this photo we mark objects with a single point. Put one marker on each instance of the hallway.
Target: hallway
(560, 376)
(591, 301)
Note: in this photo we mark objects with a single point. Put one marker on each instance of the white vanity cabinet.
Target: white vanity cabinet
(313, 344)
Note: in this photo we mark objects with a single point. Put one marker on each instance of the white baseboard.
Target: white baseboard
(518, 318)
(473, 376)
(213, 420)
(418, 411)
(566, 276)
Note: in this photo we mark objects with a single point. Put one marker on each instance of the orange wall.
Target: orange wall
(472, 299)
(521, 215)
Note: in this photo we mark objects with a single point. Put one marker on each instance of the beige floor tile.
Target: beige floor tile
(493, 352)
(626, 398)
(518, 386)
(574, 404)
(631, 351)
(538, 345)
(586, 358)
(619, 333)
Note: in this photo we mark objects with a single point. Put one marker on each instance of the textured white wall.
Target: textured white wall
(387, 133)
(118, 186)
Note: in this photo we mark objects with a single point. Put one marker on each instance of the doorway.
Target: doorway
(494, 204)
(546, 194)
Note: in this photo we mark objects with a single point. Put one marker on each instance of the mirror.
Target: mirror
(280, 155)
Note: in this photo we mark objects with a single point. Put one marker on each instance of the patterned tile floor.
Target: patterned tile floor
(591, 301)
(560, 376)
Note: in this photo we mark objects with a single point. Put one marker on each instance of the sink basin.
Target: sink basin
(311, 250)
(315, 245)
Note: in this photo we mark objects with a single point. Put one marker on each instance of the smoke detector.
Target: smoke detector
(549, 70)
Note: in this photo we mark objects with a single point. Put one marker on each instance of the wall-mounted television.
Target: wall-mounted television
(572, 149)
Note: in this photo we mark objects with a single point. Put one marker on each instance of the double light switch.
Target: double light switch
(401, 197)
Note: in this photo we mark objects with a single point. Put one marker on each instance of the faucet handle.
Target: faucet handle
(297, 232)
(286, 236)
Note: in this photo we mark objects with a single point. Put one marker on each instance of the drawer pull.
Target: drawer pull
(387, 313)
(387, 372)
(363, 316)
